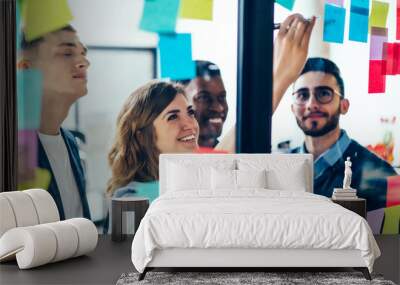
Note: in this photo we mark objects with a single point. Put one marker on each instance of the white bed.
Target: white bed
(203, 220)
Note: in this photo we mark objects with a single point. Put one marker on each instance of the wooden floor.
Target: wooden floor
(389, 262)
(102, 266)
(106, 264)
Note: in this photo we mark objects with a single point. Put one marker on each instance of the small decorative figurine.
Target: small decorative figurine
(347, 174)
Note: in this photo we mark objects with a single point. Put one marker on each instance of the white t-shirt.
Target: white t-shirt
(57, 154)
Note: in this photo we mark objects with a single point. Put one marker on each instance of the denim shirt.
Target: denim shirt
(329, 157)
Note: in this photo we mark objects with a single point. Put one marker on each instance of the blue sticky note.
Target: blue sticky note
(334, 23)
(288, 4)
(159, 16)
(176, 56)
(29, 98)
(359, 12)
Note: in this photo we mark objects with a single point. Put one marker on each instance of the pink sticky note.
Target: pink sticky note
(27, 154)
(377, 77)
(393, 191)
(378, 37)
(375, 219)
(390, 56)
(397, 57)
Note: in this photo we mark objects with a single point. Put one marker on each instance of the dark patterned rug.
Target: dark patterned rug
(225, 278)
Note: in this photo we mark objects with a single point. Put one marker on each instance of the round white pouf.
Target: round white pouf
(23, 208)
(46, 208)
(6, 215)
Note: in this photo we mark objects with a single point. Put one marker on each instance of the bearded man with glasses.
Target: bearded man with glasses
(318, 102)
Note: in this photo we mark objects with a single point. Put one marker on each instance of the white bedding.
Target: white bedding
(253, 218)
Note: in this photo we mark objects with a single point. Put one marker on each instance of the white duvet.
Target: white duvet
(250, 219)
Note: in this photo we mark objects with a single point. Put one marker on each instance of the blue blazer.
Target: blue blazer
(77, 169)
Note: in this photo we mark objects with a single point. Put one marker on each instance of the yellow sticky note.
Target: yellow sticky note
(379, 13)
(391, 225)
(41, 180)
(44, 16)
(196, 9)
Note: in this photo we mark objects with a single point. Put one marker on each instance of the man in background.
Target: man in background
(318, 102)
(207, 91)
(61, 58)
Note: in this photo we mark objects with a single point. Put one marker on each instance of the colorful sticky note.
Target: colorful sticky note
(377, 78)
(196, 9)
(41, 180)
(288, 4)
(397, 55)
(393, 191)
(378, 37)
(334, 23)
(45, 16)
(390, 56)
(375, 219)
(392, 221)
(359, 12)
(29, 98)
(27, 155)
(335, 2)
(176, 56)
(159, 16)
(379, 13)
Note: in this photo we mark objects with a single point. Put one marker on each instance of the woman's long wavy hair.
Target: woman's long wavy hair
(134, 154)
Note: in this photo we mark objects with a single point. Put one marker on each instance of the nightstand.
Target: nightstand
(358, 205)
(121, 209)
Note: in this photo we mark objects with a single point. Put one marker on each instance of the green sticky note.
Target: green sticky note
(159, 16)
(392, 221)
(44, 16)
(196, 9)
(29, 98)
(288, 4)
(379, 13)
(42, 180)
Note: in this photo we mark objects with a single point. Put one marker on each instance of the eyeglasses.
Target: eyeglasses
(323, 95)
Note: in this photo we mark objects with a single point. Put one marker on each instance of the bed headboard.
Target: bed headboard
(281, 162)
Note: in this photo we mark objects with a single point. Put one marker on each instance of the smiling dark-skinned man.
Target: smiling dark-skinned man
(207, 91)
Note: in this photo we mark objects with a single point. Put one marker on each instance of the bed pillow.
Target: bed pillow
(193, 174)
(223, 179)
(283, 172)
(296, 180)
(251, 178)
(226, 179)
(182, 177)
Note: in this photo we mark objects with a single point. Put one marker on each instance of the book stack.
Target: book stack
(344, 194)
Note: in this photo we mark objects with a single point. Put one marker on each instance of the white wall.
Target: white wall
(362, 122)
